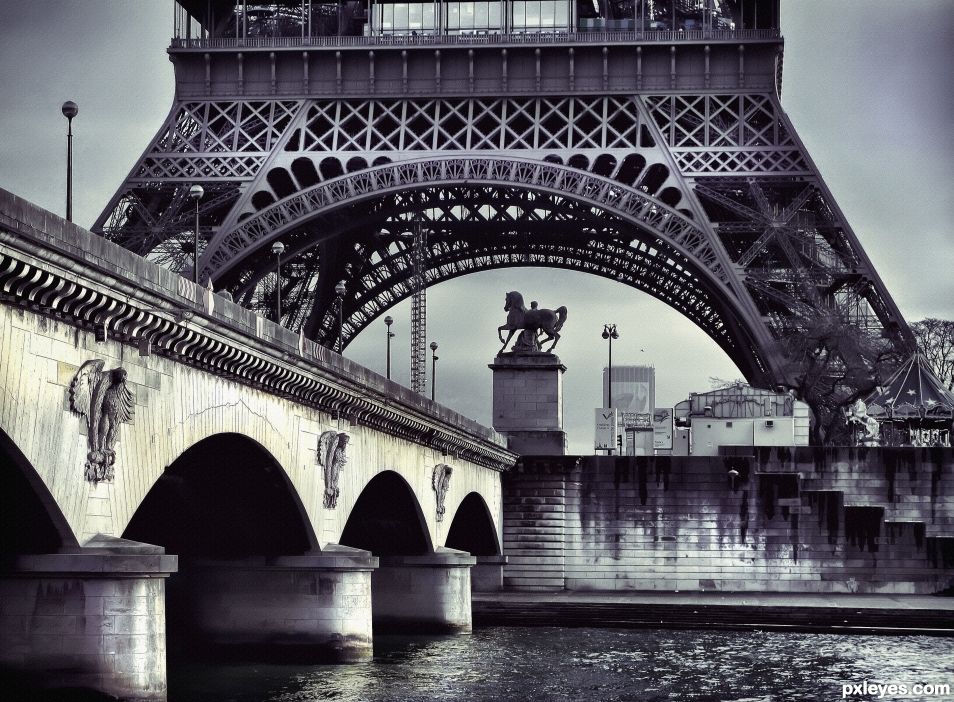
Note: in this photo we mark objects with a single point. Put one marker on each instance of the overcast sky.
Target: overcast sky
(867, 83)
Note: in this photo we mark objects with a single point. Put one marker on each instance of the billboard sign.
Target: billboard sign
(637, 420)
(632, 395)
(604, 436)
(662, 428)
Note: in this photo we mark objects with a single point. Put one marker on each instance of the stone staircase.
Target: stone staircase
(889, 509)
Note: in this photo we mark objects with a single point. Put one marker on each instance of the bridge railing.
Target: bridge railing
(469, 40)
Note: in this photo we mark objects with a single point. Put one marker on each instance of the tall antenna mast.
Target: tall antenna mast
(418, 312)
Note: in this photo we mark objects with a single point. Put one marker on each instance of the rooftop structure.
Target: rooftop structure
(306, 19)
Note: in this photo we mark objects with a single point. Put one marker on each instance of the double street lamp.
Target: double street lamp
(433, 370)
(340, 291)
(195, 193)
(278, 248)
(610, 333)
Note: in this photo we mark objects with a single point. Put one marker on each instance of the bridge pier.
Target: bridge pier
(426, 594)
(88, 621)
(313, 607)
(487, 574)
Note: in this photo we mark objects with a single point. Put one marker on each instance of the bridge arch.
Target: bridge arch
(387, 519)
(30, 519)
(484, 213)
(472, 528)
(225, 496)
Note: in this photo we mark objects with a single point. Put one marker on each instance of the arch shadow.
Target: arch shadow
(30, 519)
(472, 528)
(224, 497)
(387, 519)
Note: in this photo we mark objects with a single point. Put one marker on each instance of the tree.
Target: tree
(936, 341)
(831, 365)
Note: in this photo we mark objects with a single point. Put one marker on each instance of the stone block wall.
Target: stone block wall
(838, 520)
(426, 594)
(315, 606)
(91, 621)
(528, 402)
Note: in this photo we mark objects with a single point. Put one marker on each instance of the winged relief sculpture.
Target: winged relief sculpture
(332, 458)
(103, 397)
(440, 481)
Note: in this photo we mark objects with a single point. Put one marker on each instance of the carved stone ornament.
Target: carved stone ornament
(105, 400)
(440, 481)
(530, 323)
(332, 458)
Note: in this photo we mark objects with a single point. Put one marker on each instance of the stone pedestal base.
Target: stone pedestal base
(86, 622)
(528, 402)
(427, 594)
(487, 575)
(314, 607)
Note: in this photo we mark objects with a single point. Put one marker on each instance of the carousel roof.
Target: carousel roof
(913, 392)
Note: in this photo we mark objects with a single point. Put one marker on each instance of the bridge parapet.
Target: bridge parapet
(60, 269)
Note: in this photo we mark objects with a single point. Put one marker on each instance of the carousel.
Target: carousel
(913, 408)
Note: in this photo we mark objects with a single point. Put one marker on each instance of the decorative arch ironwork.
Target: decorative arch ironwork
(482, 213)
(228, 248)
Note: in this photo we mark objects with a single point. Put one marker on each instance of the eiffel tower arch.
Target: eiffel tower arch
(643, 142)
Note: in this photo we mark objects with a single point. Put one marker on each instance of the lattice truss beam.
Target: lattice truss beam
(797, 259)
(717, 185)
(220, 145)
(711, 135)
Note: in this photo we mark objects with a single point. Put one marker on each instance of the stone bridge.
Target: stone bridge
(293, 496)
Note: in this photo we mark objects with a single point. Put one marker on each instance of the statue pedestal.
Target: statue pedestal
(528, 402)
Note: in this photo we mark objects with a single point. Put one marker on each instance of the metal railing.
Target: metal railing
(655, 36)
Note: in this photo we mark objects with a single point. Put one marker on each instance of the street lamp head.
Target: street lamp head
(70, 109)
(433, 346)
(340, 288)
(278, 248)
(605, 333)
(196, 192)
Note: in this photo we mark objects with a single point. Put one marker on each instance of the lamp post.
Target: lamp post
(388, 321)
(70, 110)
(340, 291)
(610, 333)
(433, 370)
(195, 193)
(278, 248)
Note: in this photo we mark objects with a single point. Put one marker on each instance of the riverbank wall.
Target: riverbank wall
(762, 520)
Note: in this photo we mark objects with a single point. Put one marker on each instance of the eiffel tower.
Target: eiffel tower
(636, 140)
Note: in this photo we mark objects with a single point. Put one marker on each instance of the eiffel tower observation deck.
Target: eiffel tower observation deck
(639, 141)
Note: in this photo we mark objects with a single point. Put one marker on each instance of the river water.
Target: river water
(550, 663)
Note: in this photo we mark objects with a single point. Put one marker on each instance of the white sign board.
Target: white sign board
(605, 429)
(662, 428)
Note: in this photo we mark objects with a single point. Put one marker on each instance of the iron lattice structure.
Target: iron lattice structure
(418, 310)
(661, 160)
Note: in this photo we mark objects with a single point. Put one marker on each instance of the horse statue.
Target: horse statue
(520, 318)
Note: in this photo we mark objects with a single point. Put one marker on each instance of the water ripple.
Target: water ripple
(616, 665)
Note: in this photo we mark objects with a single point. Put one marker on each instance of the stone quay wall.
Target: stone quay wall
(772, 519)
